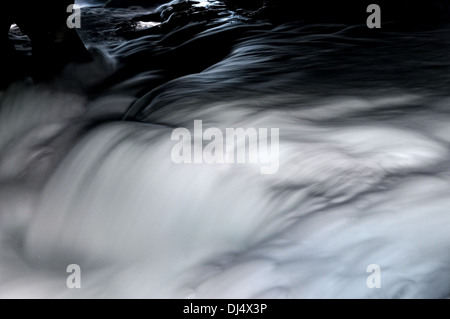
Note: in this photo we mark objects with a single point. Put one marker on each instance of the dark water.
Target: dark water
(87, 178)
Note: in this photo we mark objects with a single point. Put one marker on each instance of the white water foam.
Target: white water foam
(356, 186)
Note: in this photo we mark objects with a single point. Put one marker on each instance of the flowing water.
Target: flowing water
(87, 177)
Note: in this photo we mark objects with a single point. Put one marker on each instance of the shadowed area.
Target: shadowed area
(54, 44)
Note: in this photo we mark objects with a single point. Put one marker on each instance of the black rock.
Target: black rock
(129, 3)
